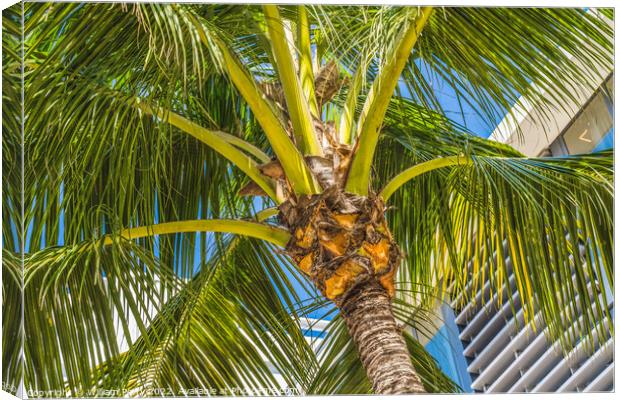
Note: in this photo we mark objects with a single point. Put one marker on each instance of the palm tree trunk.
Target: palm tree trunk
(341, 241)
(381, 346)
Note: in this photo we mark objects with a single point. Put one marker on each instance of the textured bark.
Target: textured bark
(341, 241)
(381, 346)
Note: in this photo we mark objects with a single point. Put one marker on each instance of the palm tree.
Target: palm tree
(192, 169)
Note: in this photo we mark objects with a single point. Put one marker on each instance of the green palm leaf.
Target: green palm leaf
(240, 303)
(74, 298)
(543, 213)
(491, 56)
(12, 327)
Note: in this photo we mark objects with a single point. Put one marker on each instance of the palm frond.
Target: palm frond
(378, 99)
(551, 216)
(266, 232)
(232, 327)
(11, 130)
(491, 56)
(490, 59)
(241, 76)
(99, 155)
(297, 104)
(12, 327)
(304, 46)
(80, 303)
(12, 221)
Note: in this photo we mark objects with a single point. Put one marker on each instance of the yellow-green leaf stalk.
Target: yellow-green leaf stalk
(257, 230)
(295, 167)
(218, 142)
(419, 169)
(298, 109)
(305, 59)
(377, 102)
(345, 128)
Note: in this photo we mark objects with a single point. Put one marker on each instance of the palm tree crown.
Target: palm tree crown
(191, 169)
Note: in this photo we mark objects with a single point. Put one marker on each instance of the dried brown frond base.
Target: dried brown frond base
(340, 240)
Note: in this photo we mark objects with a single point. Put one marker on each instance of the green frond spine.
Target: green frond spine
(268, 233)
(377, 102)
